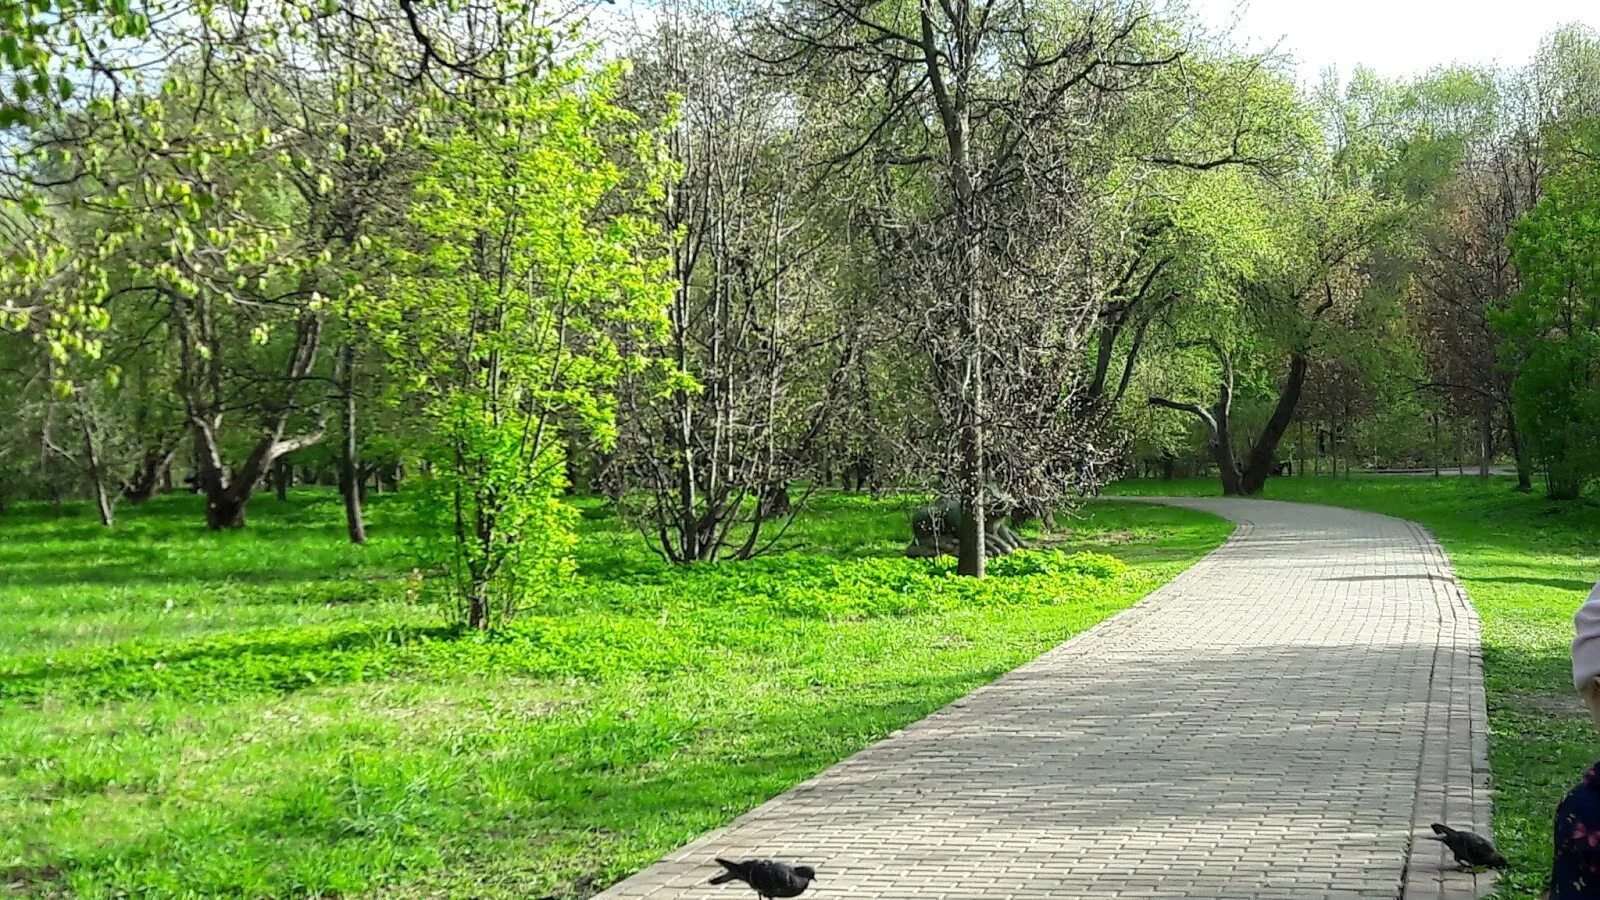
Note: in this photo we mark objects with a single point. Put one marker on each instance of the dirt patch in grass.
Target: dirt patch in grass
(1546, 704)
(32, 880)
(1071, 538)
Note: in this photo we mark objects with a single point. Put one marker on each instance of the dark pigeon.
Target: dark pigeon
(769, 877)
(1470, 849)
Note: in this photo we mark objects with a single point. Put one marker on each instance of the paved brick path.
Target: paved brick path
(1283, 720)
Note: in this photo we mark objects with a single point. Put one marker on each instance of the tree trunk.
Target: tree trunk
(1519, 451)
(775, 501)
(1300, 451)
(478, 604)
(227, 494)
(1561, 482)
(147, 477)
(1435, 450)
(580, 474)
(1227, 466)
(102, 502)
(350, 474)
(970, 560)
(225, 508)
(95, 469)
(1258, 464)
(1486, 443)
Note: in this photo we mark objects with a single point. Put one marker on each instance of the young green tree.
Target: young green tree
(528, 291)
(229, 159)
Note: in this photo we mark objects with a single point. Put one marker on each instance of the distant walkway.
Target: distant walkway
(1453, 471)
(1282, 720)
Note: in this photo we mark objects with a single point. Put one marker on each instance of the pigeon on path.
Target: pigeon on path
(769, 877)
(1470, 849)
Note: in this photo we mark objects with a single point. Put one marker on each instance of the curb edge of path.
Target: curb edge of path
(1453, 780)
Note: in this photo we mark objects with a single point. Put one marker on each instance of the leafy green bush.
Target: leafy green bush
(1045, 562)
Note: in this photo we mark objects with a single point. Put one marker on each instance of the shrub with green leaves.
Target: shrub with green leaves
(530, 291)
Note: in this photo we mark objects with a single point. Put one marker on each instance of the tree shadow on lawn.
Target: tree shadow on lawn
(624, 793)
(149, 671)
(1561, 584)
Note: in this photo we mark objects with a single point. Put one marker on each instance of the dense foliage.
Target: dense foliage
(1553, 325)
(362, 242)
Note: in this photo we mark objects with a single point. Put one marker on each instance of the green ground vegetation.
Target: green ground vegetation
(275, 712)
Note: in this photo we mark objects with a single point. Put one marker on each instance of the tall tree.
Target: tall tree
(990, 123)
(1553, 322)
(706, 460)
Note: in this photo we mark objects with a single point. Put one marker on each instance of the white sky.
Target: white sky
(1395, 37)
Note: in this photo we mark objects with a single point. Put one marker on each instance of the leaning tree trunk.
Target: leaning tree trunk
(147, 477)
(1258, 465)
(102, 502)
(94, 467)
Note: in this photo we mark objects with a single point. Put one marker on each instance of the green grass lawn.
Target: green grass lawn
(277, 713)
(1527, 564)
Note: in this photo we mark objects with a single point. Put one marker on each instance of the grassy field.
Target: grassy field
(1527, 564)
(277, 713)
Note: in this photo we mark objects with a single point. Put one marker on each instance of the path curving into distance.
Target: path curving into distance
(1283, 720)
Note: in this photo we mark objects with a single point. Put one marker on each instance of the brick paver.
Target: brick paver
(1284, 719)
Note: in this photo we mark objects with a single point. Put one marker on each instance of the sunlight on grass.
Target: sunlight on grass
(268, 714)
